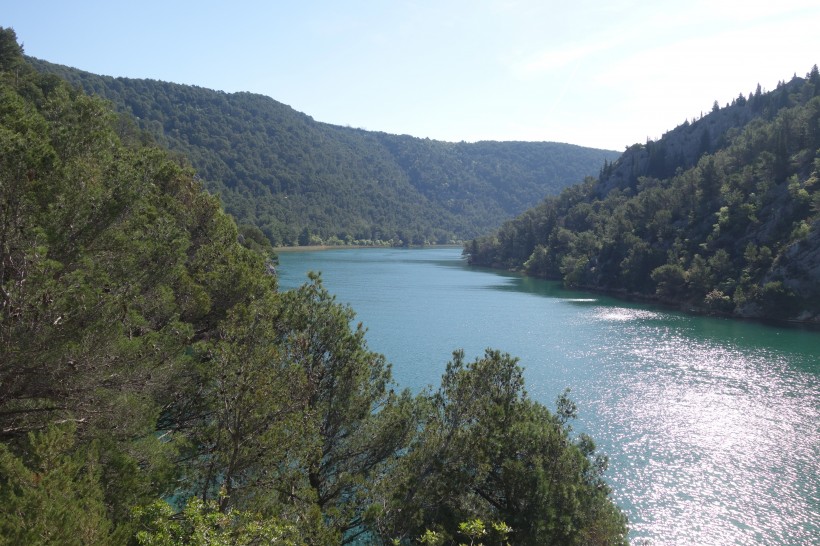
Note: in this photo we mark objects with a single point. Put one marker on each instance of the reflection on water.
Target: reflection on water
(716, 436)
(712, 426)
(622, 314)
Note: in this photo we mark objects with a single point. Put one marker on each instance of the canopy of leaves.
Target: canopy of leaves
(486, 451)
(720, 215)
(290, 176)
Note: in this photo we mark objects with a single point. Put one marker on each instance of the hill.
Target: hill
(301, 181)
(720, 215)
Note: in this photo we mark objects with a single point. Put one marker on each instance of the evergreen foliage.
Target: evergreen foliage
(304, 182)
(485, 450)
(720, 215)
(156, 388)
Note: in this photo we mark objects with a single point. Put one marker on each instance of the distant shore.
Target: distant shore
(317, 247)
(350, 247)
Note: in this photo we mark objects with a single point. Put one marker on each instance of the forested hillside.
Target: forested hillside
(156, 388)
(301, 181)
(720, 215)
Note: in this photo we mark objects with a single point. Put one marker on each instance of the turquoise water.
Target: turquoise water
(712, 426)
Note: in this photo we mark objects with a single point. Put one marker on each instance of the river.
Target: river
(712, 426)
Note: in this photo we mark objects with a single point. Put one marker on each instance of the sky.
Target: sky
(604, 74)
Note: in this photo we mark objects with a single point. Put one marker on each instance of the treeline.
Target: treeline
(157, 388)
(720, 215)
(304, 182)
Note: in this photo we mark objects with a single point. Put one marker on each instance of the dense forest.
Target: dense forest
(721, 215)
(305, 182)
(156, 387)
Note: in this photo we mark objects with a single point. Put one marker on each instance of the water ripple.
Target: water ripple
(720, 442)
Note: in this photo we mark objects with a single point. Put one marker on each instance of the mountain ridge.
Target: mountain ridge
(303, 181)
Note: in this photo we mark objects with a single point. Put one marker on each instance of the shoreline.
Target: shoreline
(682, 306)
(308, 248)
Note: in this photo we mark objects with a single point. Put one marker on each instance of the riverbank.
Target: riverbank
(810, 321)
(309, 248)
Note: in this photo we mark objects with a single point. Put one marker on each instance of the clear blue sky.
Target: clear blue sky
(596, 73)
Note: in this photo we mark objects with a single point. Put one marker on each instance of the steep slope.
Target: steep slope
(300, 180)
(719, 215)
